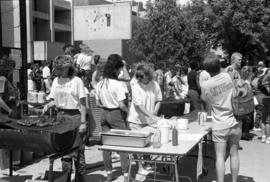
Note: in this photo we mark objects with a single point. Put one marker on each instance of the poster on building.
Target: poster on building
(110, 21)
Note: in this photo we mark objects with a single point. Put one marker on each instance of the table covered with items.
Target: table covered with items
(191, 131)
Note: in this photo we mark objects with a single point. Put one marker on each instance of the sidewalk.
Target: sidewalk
(254, 165)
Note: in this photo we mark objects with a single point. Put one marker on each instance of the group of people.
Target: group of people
(127, 103)
(213, 86)
(131, 102)
(228, 127)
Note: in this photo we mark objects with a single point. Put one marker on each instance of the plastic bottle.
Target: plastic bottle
(174, 136)
(157, 139)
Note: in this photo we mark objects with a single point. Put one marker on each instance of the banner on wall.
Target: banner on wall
(110, 21)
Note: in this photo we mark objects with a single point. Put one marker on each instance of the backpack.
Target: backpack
(242, 98)
(260, 85)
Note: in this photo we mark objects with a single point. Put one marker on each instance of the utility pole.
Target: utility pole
(23, 71)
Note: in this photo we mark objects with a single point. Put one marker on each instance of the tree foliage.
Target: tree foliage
(183, 33)
(242, 25)
(167, 34)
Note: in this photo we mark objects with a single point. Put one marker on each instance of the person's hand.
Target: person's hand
(153, 120)
(82, 128)
(45, 109)
(10, 112)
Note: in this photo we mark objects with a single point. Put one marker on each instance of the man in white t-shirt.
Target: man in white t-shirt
(46, 75)
(226, 131)
(85, 62)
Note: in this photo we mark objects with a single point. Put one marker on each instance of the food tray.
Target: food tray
(126, 138)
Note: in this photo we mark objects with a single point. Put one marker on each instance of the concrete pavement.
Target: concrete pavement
(254, 161)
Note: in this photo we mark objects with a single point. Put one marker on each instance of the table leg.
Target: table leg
(130, 156)
(176, 168)
(77, 165)
(51, 170)
(10, 163)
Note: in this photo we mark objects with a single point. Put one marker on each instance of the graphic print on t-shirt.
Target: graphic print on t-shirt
(219, 89)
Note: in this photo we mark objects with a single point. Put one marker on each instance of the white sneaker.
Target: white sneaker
(143, 172)
(263, 138)
(257, 129)
(267, 140)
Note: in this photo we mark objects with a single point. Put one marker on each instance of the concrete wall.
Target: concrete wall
(110, 21)
(105, 47)
(10, 17)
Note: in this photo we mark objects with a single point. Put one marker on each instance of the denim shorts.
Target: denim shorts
(231, 135)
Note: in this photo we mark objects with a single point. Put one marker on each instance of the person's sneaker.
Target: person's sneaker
(143, 172)
(109, 178)
(257, 129)
(263, 139)
(267, 140)
(126, 179)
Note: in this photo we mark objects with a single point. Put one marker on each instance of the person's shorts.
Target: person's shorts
(231, 135)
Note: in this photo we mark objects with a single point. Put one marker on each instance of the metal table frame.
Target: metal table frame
(174, 152)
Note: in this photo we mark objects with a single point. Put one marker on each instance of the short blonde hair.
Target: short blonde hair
(235, 55)
(144, 68)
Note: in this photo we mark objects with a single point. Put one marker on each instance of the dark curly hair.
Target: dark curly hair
(112, 65)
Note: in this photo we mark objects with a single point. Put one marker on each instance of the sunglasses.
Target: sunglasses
(140, 76)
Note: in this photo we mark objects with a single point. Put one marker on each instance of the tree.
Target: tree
(167, 34)
(242, 25)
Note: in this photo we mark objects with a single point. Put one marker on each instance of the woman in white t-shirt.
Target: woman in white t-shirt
(146, 97)
(68, 95)
(111, 96)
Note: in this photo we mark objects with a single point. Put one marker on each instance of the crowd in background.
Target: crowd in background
(130, 98)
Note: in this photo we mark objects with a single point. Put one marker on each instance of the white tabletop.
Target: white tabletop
(187, 139)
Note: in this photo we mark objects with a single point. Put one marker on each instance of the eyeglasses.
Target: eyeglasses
(140, 76)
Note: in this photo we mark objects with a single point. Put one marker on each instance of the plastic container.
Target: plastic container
(32, 96)
(182, 124)
(41, 97)
(165, 134)
(157, 139)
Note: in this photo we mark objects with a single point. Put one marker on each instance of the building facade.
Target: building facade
(47, 21)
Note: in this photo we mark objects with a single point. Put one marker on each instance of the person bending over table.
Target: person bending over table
(226, 131)
(111, 96)
(146, 97)
(68, 95)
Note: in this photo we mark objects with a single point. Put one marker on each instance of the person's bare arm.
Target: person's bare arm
(123, 106)
(5, 106)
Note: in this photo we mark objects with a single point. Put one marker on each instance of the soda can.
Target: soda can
(199, 118)
(202, 116)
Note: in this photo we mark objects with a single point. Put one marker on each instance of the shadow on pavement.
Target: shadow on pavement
(16, 178)
(95, 178)
(240, 178)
